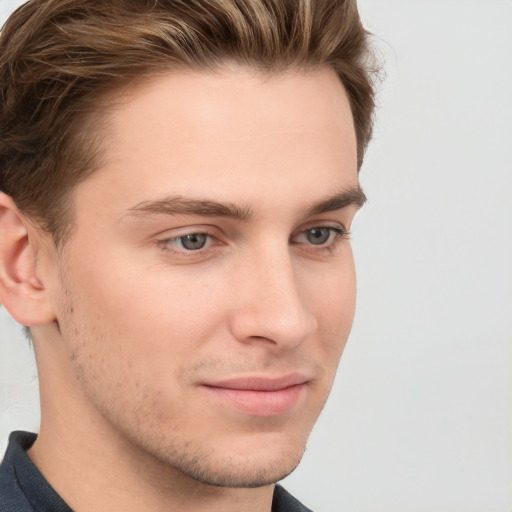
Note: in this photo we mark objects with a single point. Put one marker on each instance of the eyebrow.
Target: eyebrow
(343, 199)
(178, 205)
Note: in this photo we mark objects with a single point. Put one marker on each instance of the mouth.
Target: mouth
(259, 396)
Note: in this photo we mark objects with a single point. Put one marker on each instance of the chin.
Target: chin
(234, 473)
(247, 462)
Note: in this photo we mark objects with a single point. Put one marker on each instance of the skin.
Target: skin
(131, 328)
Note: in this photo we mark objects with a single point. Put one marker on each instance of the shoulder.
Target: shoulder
(284, 502)
(12, 498)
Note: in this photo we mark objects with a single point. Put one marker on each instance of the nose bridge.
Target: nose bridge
(270, 304)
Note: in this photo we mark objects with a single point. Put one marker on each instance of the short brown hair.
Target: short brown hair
(60, 58)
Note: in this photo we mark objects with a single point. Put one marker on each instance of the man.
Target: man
(178, 180)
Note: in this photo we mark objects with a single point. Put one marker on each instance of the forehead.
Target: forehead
(206, 133)
(234, 103)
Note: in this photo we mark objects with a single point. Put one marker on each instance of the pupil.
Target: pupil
(194, 242)
(318, 236)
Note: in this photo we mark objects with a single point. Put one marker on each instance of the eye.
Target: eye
(194, 241)
(321, 235)
(190, 242)
(318, 236)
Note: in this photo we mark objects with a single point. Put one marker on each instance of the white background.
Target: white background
(420, 418)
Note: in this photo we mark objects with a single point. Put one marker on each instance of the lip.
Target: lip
(259, 395)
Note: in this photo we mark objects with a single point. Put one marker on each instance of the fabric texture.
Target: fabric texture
(284, 502)
(24, 489)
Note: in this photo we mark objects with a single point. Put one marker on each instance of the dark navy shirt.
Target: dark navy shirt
(24, 489)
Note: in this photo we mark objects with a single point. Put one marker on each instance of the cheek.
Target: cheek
(129, 336)
(148, 315)
(333, 304)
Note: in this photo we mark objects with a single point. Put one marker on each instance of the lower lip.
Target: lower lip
(260, 403)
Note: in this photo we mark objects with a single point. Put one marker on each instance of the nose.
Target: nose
(269, 304)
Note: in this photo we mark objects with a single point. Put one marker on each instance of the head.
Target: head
(178, 180)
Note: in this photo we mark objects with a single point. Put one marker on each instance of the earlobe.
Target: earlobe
(22, 293)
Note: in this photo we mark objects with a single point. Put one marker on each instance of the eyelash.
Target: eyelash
(337, 235)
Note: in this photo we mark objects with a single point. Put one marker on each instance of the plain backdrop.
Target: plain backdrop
(420, 417)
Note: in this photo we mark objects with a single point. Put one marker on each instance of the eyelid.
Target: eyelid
(165, 242)
(181, 237)
(339, 230)
(338, 235)
(323, 223)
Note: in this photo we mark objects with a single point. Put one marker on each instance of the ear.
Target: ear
(22, 293)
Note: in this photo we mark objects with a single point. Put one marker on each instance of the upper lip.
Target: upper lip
(260, 383)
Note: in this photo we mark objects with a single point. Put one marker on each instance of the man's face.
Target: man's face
(207, 292)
